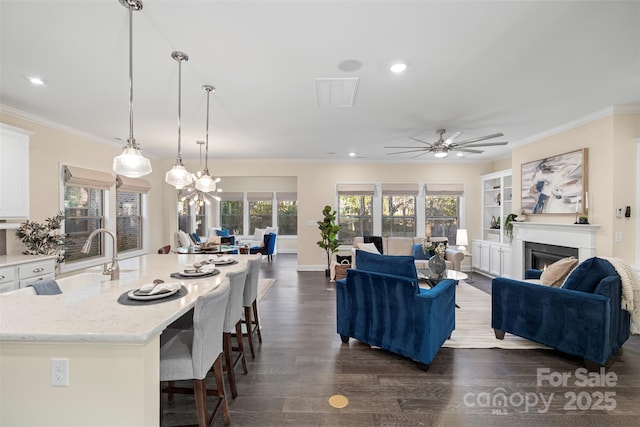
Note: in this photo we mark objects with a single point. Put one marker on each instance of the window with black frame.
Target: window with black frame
(287, 214)
(399, 210)
(129, 212)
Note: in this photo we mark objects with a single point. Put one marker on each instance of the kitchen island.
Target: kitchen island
(112, 349)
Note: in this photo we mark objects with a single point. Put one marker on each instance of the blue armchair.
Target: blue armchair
(380, 303)
(582, 318)
(268, 248)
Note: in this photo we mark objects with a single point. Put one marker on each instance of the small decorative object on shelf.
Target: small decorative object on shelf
(498, 199)
(43, 239)
(583, 220)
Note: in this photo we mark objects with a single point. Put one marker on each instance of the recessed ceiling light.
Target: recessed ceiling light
(460, 154)
(36, 81)
(398, 67)
(352, 154)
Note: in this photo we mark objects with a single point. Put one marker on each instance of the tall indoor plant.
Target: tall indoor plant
(329, 234)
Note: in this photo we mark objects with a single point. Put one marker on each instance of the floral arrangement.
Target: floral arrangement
(43, 239)
(437, 247)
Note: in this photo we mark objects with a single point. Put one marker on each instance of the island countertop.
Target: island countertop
(89, 312)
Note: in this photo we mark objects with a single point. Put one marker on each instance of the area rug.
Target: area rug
(263, 286)
(473, 323)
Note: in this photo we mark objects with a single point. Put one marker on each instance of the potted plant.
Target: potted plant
(43, 239)
(329, 234)
(508, 225)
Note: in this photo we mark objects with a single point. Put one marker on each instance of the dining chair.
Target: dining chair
(190, 354)
(233, 324)
(250, 303)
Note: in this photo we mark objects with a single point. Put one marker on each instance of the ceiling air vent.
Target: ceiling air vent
(336, 92)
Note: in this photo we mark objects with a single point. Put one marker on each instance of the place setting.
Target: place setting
(197, 270)
(151, 293)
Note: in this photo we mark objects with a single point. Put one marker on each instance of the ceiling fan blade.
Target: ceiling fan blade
(410, 151)
(428, 144)
(452, 138)
(468, 150)
(418, 155)
(487, 144)
(398, 146)
(481, 138)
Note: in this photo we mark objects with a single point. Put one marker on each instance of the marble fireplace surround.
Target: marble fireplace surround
(579, 236)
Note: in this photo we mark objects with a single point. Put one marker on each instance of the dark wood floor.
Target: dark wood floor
(302, 363)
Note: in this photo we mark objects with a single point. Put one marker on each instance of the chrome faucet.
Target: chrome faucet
(113, 269)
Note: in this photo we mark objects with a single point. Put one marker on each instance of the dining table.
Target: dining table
(109, 342)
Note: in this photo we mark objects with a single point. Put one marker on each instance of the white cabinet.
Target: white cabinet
(491, 258)
(496, 205)
(22, 274)
(14, 172)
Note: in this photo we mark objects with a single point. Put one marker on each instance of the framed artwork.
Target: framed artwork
(556, 185)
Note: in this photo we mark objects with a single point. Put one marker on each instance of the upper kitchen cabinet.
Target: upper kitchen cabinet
(14, 173)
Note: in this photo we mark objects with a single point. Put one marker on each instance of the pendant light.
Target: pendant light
(178, 176)
(131, 163)
(205, 183)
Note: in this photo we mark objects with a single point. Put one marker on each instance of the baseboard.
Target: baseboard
(311, 268)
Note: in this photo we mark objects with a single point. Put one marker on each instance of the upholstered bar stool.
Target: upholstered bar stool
(233, 324)
(250, 303)
(190, 354)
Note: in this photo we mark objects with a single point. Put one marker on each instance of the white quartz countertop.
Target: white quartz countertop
(90, 312)
(9, 260)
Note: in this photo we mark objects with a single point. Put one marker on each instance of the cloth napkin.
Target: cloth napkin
(152, 289)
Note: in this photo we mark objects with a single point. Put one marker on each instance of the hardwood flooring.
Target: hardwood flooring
(302, 363)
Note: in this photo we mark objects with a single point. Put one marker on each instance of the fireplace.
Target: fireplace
(579, 237)
(540, 255)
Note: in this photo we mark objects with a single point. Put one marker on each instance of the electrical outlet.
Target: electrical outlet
(618, 236)
(60, 372)
(619, 213)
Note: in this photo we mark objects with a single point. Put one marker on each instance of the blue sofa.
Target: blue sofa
(381, 304)
(582, 318)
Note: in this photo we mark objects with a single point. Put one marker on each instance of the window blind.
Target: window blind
(132, 185)
(87, 178)
(400, 189)
(356, 189)
(444, 189)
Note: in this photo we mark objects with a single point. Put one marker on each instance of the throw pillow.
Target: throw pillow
(222, 233)
(258, 234)
(586, 276)
(555, 274)
(183, 239)
(419, 253)
(368, 247)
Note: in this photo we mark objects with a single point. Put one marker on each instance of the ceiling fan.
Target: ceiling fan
(441, 147)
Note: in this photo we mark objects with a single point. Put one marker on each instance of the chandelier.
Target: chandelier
(205, 186)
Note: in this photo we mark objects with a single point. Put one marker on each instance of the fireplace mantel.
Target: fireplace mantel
(580, 236)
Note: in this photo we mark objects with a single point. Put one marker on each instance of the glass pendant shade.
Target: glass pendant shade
(178, 176)
(206, 184)
(131, 163)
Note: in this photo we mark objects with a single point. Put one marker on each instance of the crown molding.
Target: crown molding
(606, 112)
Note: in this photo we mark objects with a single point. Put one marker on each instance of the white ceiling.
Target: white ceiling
(479, 67)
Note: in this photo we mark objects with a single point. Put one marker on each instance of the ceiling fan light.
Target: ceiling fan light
(131, 163)
(398, 67)
(440, 154)
(178, 176)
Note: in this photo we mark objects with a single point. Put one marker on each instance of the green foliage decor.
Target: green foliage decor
(329, 233)
(508, 225)
(43, 239)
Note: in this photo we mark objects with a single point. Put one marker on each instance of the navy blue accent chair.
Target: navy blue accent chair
(268, 248)
(582, 318)
(380, 304)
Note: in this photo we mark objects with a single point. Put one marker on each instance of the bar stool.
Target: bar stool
(250, 303)
(233, 324)
(192, 353)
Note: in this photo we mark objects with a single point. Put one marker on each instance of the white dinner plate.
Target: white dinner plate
(222, 262)
(145, 297)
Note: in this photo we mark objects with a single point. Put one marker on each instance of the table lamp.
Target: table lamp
(462, 239)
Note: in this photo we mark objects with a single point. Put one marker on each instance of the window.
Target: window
(399, 210)
(260, 210)
(355, 211)
(184, 216)
(129, 220)
(442, 210)
(129, 212)
(398, 216)
(83, 214)
(287, 214)
(84, 202)
(231, 212)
